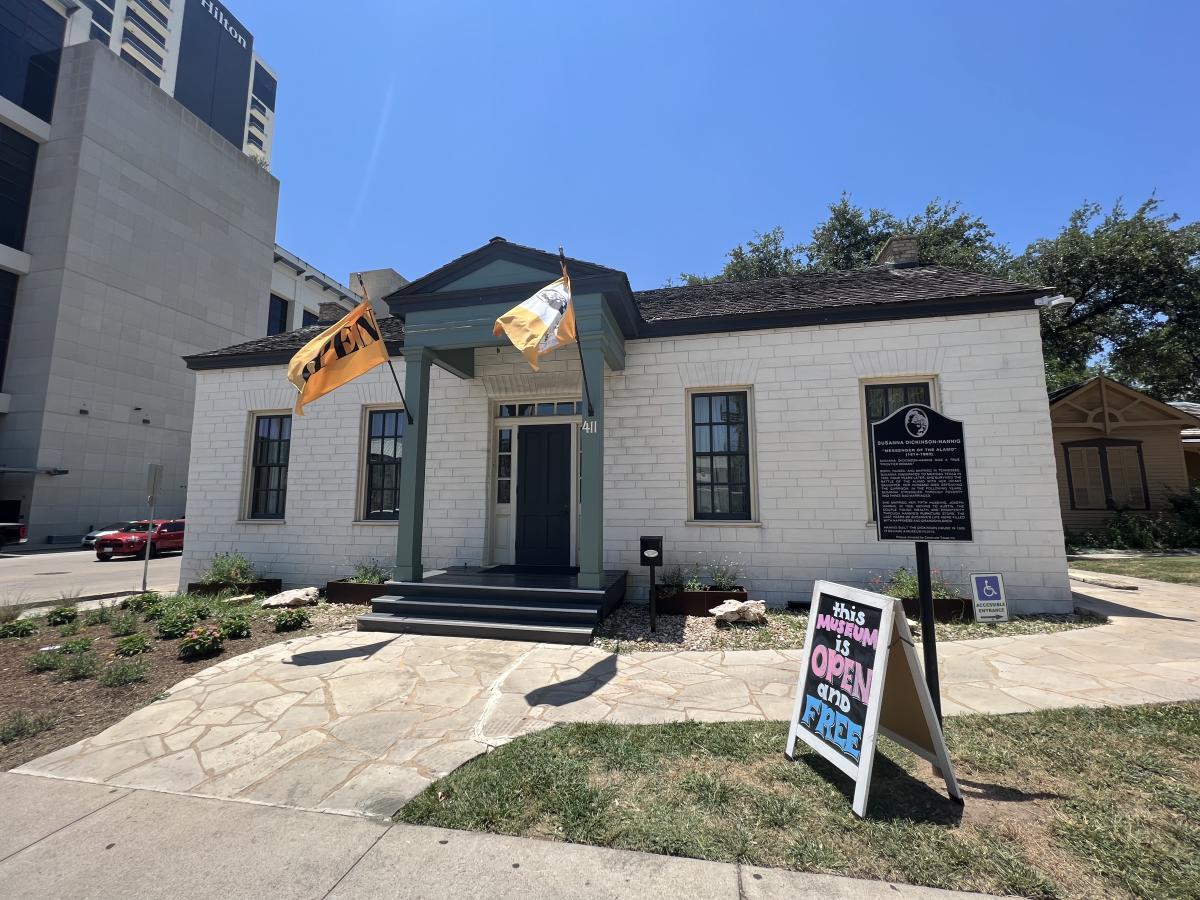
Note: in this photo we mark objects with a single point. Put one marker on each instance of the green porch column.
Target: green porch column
(412, 468)
(591, 510)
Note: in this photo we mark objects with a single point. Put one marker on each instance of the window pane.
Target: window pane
(719, 408)
(701, 443)
(1086, 479)
(1125, 476)
(736, 406)
(720, 438)
(525, 409)
(505, 440)
(566, 409)
(508, 410)
(502, 491)
(738, 470)
(737, 438)
(918, 393)
(700, 408)
(703, 470)
(504, 466)
(545, 409)
(738, 500)
(704, 503)
(875, 403)
(720, 498)
(720, 469)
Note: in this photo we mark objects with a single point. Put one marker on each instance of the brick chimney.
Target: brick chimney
(330, 312)
(899, 252)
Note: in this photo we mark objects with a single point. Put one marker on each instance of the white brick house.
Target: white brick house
(808, 358)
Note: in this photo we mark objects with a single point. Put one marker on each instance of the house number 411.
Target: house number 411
(591, 426)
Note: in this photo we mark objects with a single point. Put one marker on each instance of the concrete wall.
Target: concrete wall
(151, 237)
(812, 481)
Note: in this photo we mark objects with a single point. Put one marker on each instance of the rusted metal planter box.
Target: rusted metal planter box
(353, 592)
(262, 586)
(696, 603)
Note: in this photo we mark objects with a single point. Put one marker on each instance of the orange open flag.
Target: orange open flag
(343, 351)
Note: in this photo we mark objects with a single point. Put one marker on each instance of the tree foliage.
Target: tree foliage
(1135, 279)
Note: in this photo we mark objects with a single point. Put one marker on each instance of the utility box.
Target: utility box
(652, 551)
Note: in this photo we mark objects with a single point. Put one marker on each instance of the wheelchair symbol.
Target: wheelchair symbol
(988, 590)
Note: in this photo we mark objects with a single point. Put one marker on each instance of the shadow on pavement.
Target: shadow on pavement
(582, 685)
(1111, 609)
(320, 657)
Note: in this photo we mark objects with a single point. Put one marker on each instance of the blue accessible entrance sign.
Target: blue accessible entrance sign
(987, 594)
(860, 678)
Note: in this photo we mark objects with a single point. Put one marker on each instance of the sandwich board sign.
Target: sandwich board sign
(860, 679)
(987, 595)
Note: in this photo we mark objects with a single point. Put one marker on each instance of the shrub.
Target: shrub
(725, 574)
(123, 624)
(18, 629)
(1131, 531)
(70, 630)
(902, 584)
(200, 607)
(176, 622)
(9, 612)
(139, 603)
(133, 644)
(369, 572)
(1187, 507)
(44, 661)
(235, 625)
(290, 619)
(102, 615)
(673, 580)
(76, 645)
(20, 724)
(123, 672)
(78, 666)
(201, 641)
(228, 568)
(62, 615)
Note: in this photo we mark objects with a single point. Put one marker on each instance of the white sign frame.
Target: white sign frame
(976, 599)
(897, 640)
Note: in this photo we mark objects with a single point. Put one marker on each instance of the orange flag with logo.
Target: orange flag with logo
(340, 353)
(543, 323)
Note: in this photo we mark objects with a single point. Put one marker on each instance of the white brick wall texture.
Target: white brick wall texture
(808, 451)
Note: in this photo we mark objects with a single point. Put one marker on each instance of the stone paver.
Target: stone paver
(353, 722)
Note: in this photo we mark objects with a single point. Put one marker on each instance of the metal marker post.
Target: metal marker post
(928, 638)
(653, 600)
(153, 477)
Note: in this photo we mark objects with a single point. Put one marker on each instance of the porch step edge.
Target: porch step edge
(537, 632)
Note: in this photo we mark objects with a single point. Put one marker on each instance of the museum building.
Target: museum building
(730, 418)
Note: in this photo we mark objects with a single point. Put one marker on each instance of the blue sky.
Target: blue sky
(653, 136)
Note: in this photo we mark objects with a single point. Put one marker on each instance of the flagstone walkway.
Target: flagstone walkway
(359, 723)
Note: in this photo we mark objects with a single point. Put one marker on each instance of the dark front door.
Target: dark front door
(544, 495)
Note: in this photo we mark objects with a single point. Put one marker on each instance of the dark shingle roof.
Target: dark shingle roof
(820, 291)
(284, 346)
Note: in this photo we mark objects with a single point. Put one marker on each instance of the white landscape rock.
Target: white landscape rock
(298, 597)
(752, 611)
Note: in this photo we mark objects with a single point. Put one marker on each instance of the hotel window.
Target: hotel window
(385, 432)
(721, 455)
(1106, 473)
(880, 400)
(269, 466)
(277, 315)
(309, 318)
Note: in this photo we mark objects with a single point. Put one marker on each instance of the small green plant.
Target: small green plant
(673, 581)
(102, 615)
(200, 607)
(228, 568)
(724, 574)
(122, 624)
(290, 619)
(235, 625)
(139, 603)
(123, 671)
(70, 630)
(176, 623)
(9, 612)
(902, 584)
(20, 724)
(44, 661)
(62, 615)
(76, 645)
(369, 572)
(201, 641)
(693, 582)
(18, 629)
(133, 644)
(78, 666)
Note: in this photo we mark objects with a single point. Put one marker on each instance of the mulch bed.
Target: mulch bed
(84, 708)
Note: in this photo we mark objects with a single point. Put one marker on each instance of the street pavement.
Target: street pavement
(359, 722)
(40, 578)
(65, 839)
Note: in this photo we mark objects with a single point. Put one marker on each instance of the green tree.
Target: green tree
(764, 256)
(1136, 283)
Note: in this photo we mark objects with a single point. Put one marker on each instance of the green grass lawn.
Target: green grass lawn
(1176, 569)
(1062, 803)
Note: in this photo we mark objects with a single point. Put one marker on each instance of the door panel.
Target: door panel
(544, 495)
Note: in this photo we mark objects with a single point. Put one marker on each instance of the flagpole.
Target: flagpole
(395, 377)
(578, 342)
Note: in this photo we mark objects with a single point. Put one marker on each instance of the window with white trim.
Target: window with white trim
(381, 478)
(720, 463)
(1106, 473)
(269, 466)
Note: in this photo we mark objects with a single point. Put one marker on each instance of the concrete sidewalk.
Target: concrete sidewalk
(66, 839)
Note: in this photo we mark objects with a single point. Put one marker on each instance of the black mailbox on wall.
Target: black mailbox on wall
(652, 551)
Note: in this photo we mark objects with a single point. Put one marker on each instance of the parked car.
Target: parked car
(164, 535)
(89, 539)
(12, 533)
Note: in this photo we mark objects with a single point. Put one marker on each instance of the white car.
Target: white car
(89, 539)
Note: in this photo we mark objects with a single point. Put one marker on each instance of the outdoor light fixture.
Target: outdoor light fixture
(1055, 302)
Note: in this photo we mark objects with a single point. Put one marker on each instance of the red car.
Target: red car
(165, 535)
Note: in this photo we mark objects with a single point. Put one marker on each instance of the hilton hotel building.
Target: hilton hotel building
(137, 226)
